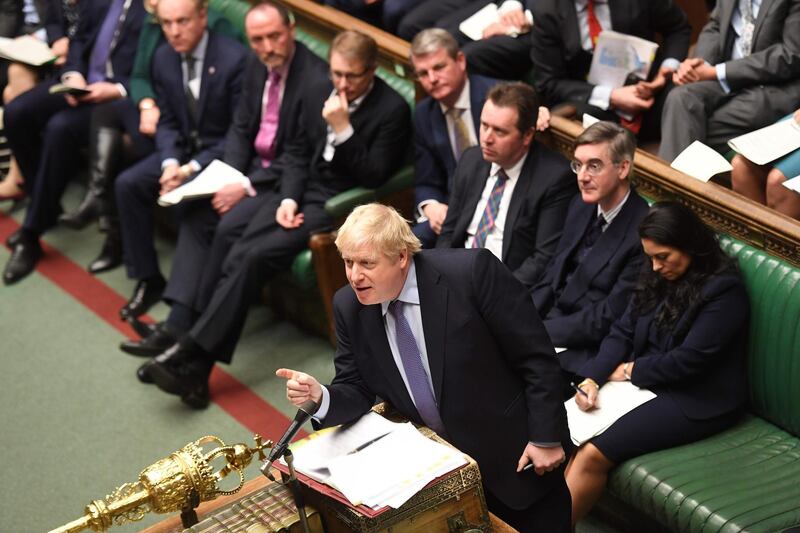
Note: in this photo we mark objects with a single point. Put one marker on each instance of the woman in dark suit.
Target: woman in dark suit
(682, 337)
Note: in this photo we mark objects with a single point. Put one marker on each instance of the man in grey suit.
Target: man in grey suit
(745, 75)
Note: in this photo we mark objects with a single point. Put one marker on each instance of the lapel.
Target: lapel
(441, 140)
(640, 333)
(207, 76)
(375, 332)
(520, 194)
(576, 232)
(605, 247)
(569, 25)
(433, 306)
(766, 5)
(725, 16)
(477, 182)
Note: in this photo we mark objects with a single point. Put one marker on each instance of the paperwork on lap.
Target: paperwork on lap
(701, 162)
(616, 399)
(215, 176)
(375, 462)
(768, 144)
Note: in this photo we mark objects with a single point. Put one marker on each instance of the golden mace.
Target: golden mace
(178, 482)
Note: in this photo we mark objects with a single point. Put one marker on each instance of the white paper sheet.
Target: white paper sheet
(768, 144)
(473, 26)
(793, 184)
(615, 399)
(26, 49)
(616, 55)
(701, 162)
(214, 177)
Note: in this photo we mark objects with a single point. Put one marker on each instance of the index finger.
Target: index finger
(343, 99)
(286, 373)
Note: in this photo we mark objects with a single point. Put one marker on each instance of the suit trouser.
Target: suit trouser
(264, 249)
(703, 111)
(204, 240)
(45, 135)
(136, 190)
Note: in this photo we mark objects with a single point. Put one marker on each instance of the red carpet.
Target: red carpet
(232, 396)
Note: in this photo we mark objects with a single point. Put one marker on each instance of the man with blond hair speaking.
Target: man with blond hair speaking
(453, 342)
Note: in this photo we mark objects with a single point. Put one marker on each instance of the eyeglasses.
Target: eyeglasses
(349, 76)
(594, 167)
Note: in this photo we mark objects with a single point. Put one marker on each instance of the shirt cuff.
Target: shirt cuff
(722, 77)
(248, 186)
(289, 201)
(423, 203)
(546, 444)
(324, 404)
(40, 34)
(671, 63)
(342, 137)
(169, 162)
(196, 167)
(121, 88)
(601, 96)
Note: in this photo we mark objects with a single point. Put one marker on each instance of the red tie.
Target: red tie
(594, 25)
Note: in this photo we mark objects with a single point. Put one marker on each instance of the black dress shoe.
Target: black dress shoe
(146, 294)
(143, 372)
(143, 329)
(182, 372)
(14, 238)
(151, 345)
(110, 257)
(23, 260)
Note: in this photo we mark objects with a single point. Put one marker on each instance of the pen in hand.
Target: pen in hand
(580, 390)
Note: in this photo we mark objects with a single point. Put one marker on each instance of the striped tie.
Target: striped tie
(490, 212)
(418, 380)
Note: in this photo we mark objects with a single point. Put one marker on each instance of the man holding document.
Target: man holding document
(452, 341)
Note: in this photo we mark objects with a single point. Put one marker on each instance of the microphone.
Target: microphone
(305, 411)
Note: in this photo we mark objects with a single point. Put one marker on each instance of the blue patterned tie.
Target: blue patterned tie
(101, 49)
(415, 373)
(490, 212)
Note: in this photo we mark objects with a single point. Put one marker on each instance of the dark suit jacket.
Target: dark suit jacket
(492, 366)
(240, 152)
(535, 216)
(220, 85)
(434, 163)
(578, 316)
(377, 149)
(776, 45)
(705, 371)
(561, 64)
(92, 13)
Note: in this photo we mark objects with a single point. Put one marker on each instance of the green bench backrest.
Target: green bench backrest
(233, 10)
(774, 342)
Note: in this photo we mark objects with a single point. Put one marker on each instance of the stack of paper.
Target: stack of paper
(615, 399)
(215, 176)
(375, 462)
(474, 26)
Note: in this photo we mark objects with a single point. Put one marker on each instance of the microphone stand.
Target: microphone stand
(294, 486)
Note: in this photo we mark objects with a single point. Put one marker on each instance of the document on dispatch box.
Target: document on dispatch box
(214, 177)
(701, 162)
(768, 144)
(615, 399)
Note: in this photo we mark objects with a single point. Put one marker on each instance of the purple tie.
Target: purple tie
(102, 44)
(415, 372)
(490, 212)
(265, 140)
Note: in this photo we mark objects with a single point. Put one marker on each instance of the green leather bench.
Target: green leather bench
(746, 478)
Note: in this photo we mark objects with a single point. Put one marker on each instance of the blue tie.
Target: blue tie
(415, 373)
(489, 216)
(102, 44)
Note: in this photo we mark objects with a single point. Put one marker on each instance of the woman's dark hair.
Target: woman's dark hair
(675, 225)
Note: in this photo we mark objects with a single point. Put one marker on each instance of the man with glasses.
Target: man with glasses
(197, 78)
(589, 280)
(353, 131)
(510, 194)
(47, 131)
